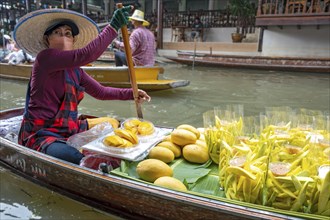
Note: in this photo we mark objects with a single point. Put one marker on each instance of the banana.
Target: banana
(95, 121)
(127, 134)
(190, 128)
(114, 122)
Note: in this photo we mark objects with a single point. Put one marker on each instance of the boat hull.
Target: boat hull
(147, 77)
(253, 62)
(112, 193)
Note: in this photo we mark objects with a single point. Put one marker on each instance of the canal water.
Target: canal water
(209, 87)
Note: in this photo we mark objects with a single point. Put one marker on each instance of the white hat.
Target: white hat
(6, 36)
(139, 16)
(30, 29)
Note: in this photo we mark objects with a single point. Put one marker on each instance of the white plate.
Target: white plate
(139, 152)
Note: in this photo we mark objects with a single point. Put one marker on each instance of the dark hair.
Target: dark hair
(72, 25)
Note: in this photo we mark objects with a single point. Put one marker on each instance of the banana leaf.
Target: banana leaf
(199, 178)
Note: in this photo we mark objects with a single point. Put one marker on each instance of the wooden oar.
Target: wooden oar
(193, 65)
(130, 64)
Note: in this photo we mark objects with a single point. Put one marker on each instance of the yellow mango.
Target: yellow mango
(171, 183)
(195, 153)
(183, 137)
(151, 169)
(161, 153)
(190, 128)
(171, 146)
(201, 143)
(113, 140)
(146, 128)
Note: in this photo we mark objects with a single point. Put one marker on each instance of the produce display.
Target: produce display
(279, 167)
(185, 142)
(283, 165)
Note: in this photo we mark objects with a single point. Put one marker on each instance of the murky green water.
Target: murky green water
(209, 87)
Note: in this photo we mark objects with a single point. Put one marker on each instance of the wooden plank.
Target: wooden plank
(293, 20)
(216, 46)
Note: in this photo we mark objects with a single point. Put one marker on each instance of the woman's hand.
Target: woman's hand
(143, 96)
(120, 17)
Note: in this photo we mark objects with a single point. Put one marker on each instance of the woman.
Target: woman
(63, 41)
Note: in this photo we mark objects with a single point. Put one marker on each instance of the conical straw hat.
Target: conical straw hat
(29, 30)
(139, 16)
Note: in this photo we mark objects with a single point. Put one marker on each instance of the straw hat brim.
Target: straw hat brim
(30, 29)
(145, 23)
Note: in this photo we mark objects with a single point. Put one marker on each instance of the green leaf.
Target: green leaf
(188, 171)
(209, 185)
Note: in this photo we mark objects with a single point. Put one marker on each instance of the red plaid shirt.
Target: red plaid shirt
(39, 133)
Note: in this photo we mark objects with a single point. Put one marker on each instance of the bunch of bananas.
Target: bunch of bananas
(122, 138)
(139, 127)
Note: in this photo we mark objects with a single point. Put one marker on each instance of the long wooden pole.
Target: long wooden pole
(130, 64)
(193, 66)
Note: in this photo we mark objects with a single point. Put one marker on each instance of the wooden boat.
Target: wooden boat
(148, 78)
(254, 62)
(107, 56)
(124, 196)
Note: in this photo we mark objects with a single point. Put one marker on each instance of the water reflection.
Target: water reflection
(15, 211)
(21, 199)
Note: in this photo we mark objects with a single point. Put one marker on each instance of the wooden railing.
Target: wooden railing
(209, 18)
(293, 7)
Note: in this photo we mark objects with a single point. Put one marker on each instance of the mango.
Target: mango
(201, 143)
(171, 146)
(183, 137)
(167, 138)
(161, 153)
(190, 128)
(146, 128)
(151, 169)
(171, 183)
(195, 153)
(113, 140)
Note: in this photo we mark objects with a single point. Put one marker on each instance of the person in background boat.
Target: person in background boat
(17, 57)
(10, 44)
(196, 28)
(142, 43)
(64, 40)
